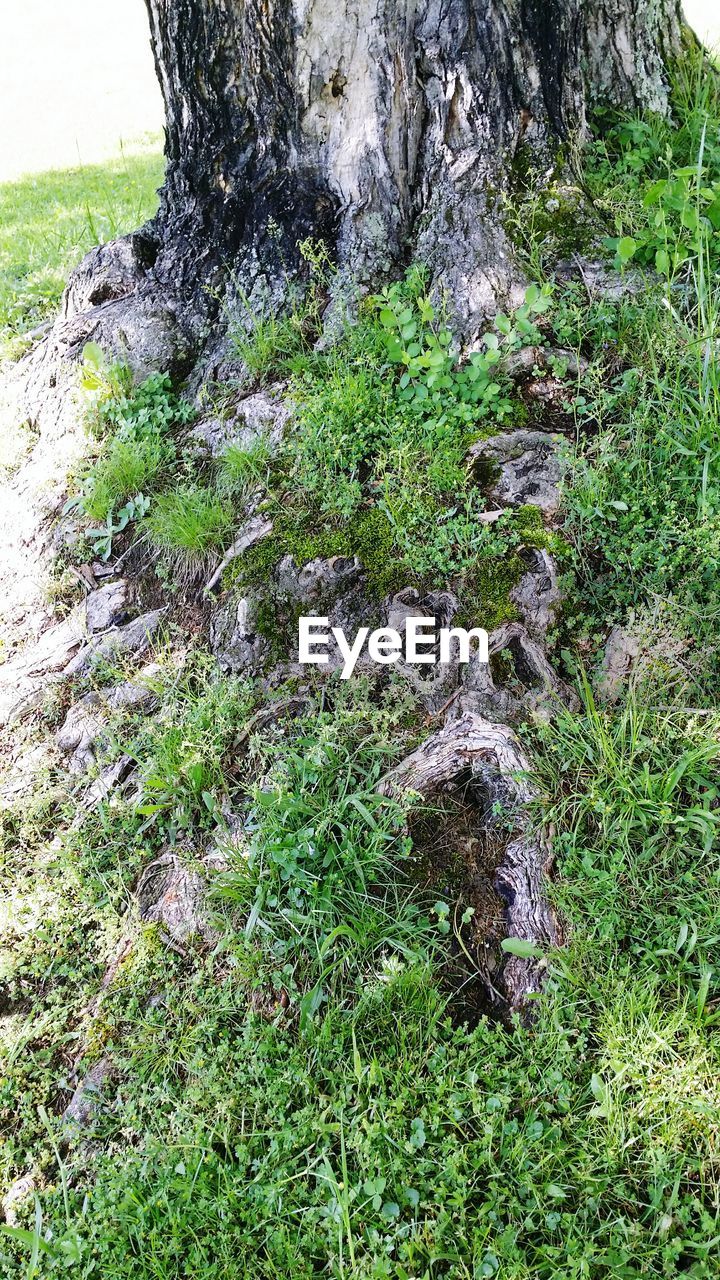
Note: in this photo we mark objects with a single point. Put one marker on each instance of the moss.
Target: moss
(276, 620)
(485, 591)
(560, 224)
(255, 566)
(520, 413)
(376, 549)
(527, 522)
(486, 594)
(502, 668)
(553, 218)
(302, 535)
(524, 172)
(266, 619)
(485, 471)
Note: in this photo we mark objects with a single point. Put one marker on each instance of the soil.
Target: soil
(459, 847)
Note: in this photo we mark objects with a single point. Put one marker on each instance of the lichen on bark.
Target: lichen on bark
(388, 128)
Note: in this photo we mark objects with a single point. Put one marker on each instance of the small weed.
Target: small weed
(101, 539)
(185, 751)
(138, 448)
(321, 837)
(659, 182)
(188, 526)
(137, 427)
(244, 469)
(128, 467)
(385, 417)
(269, 344)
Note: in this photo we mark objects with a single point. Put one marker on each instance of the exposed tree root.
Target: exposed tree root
(495, 760)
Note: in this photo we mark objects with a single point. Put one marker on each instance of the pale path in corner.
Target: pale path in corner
(704, 18)
(76, 80)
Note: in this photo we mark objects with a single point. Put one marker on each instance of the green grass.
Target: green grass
(49, 220)
(129, 467)
(300, 1103)
(267, 342)
(644, 509)
(382, 421)
(136, 426)
(188, 525)
(243, 470)
(139, 429)
(306, 1099)
(182, 752)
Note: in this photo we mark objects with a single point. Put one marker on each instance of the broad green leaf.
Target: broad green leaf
(627, 248)
(521, 947)
(93, 355)
(662, 262)
(689, 218)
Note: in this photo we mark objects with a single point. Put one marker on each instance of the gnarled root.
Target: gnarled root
(493, 756)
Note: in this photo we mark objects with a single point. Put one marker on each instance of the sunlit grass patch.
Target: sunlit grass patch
(49, 220)
(188, 525)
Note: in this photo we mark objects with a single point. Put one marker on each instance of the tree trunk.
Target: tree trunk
(386, 127)
(390, 130)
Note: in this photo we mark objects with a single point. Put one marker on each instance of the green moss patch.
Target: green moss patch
(305, 536)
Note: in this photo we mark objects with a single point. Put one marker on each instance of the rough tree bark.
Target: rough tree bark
(386, 126)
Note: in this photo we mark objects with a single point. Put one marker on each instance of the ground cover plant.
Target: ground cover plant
(302, 1097)
(376, 463)
(645, 491)
(138, 432)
